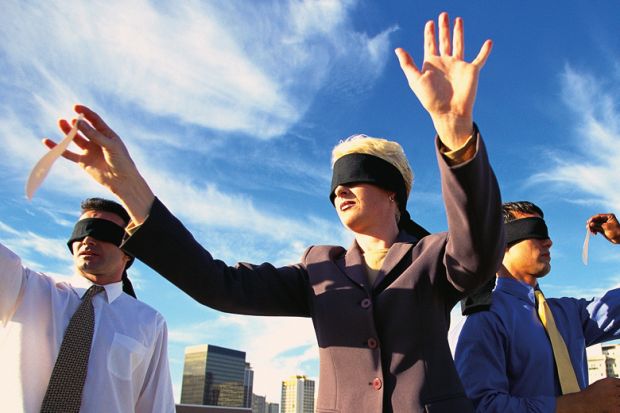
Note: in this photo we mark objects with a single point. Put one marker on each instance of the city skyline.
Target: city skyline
(230, 109)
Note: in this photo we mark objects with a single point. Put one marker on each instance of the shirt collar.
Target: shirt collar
(112, 291)
(516, 288)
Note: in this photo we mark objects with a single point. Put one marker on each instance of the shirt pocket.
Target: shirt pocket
(124, 356)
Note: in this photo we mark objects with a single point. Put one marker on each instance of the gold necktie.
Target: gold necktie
(566, 372)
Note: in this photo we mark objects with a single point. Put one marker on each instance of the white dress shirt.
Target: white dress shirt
(128, 366)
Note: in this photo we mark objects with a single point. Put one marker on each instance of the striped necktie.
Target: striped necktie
(64, 391)
(566, 372)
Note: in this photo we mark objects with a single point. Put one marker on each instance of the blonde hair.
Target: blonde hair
(389, 151)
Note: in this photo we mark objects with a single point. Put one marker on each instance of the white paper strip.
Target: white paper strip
(586, 245)
(42, 168)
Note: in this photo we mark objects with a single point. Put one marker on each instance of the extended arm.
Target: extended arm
(473, 209)
(164, 244)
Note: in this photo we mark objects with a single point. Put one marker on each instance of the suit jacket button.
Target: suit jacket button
(372, 343)
(376, 383)
(365, 303)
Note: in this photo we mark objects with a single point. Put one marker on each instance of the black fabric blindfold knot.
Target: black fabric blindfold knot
(525, 228)
(106, 231)
(365, 168)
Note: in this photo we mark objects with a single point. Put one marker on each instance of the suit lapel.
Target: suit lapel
(404, 243)
(352, 265)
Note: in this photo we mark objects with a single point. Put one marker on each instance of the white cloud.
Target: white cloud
(590, 173)
(26, 243)
(200, 62)
(267, 342)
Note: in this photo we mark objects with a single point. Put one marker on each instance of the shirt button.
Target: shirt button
(376, 383)
(366, 303)
(372, 343)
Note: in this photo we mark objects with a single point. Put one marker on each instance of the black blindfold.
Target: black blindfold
(525, 228)
(99, 229)
(364, 168)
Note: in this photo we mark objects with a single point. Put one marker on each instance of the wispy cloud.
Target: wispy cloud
(199, 62)
(590, 173)
(28, 243)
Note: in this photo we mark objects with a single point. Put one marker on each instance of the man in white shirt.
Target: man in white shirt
(128, 365)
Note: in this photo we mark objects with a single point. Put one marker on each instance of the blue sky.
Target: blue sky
(230, 109)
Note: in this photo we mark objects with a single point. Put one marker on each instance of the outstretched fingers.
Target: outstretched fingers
(483, 54)
(95, 120)
(407, 65)
(458, 40)
(430, 45)
(445, 47)
(67, 154)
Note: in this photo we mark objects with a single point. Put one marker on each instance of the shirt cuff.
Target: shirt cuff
(459, 155)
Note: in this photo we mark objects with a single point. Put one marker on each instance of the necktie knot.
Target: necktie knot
(92, 291)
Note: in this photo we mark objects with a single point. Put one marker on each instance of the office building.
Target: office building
(272, 408)
(259, 404)
(298, 395)
(603, 361)
(213, 375)
(248, 384)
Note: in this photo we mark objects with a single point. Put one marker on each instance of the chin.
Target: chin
(544, 272)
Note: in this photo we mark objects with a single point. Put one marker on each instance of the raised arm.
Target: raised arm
(446, 85)
(105, 158)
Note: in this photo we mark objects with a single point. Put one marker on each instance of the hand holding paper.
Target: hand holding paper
(105, 158)
(607, 225)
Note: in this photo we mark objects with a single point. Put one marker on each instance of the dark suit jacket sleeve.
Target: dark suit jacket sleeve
(475, 243)
(165, 245)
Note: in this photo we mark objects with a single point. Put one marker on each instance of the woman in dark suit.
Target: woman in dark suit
(381, 307)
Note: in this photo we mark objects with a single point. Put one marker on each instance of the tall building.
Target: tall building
(272, 408)
(298, 395)
(259, 405)
(603, 361)
(213, 376)
(248, 384)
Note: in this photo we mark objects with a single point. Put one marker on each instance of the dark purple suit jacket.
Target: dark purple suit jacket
(383, 348)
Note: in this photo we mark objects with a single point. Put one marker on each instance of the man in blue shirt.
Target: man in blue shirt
(504, 356)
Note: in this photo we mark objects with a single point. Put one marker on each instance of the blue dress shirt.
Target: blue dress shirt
(504, 357)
